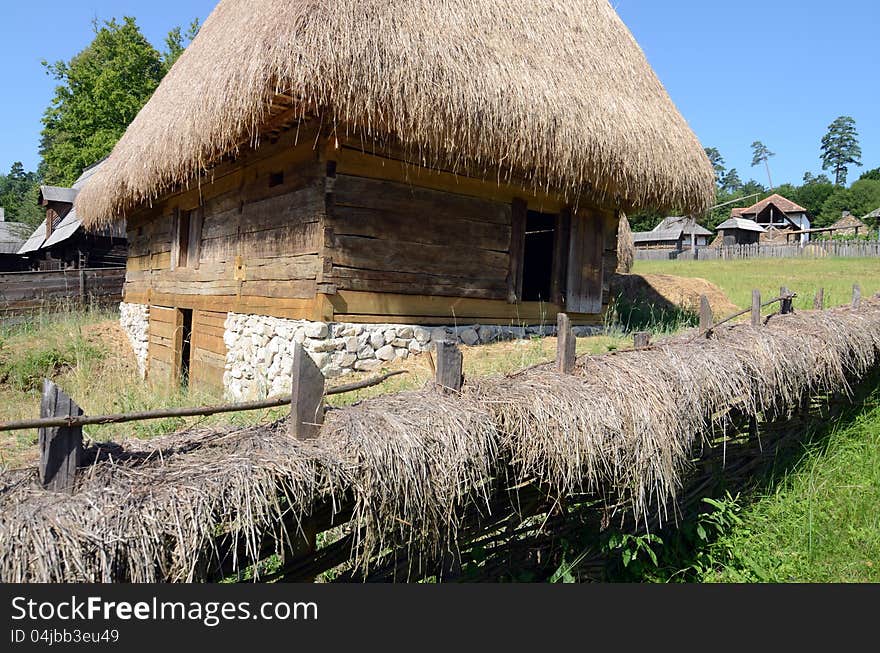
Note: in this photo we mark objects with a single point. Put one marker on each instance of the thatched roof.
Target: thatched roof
(558, 93)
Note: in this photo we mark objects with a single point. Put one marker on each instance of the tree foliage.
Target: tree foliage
(100, 91)
(717, 162)
(840, 148)
(18, 195)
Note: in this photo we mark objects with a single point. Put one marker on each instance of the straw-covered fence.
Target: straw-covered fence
(409, 477)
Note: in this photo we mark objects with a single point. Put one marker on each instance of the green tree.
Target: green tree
(812, 195)
(100, 91)
(731, 182)
(19, 191)
(761, 154)
(840, 148)
(176, 42)
(810, 178)
(871, 174)
(717, 162)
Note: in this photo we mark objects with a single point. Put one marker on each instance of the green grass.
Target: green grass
(821, 523)
(804, 276)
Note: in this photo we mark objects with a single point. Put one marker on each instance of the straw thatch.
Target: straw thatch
(624, 428)
(626, 247)
(558, 93)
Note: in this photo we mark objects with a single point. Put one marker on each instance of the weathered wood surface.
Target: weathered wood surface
(566, 345)
(60, 446)
(586, 260)
(307, 396)
(856, 296)
(756, 308)
(23, 292)
(706, 319)
(641, 339)
(819, 300)
(785, 306)
(448, 368)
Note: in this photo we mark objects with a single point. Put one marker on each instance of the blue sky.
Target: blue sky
(773, 70)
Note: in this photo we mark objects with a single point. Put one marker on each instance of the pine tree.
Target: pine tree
(840, 148)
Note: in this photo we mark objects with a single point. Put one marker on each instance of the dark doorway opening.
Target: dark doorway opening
(538, 256)
(183, 239)
(186, 346)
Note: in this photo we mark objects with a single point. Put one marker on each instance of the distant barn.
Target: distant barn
(61, 242)
(415, 163)
(676, 234)
(12, 237)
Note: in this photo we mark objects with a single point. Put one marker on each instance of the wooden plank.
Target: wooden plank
(208, 342)
(368, 253)
(585, 265)
(756, 308)
(416, 200)
(60, 447)
(856, 296)
(565, 345)
(307, 397)
(561, 245)
(448, 370)
(706, 319)
(519, 215)
(641, 339)
(407, 224)
(819, 300)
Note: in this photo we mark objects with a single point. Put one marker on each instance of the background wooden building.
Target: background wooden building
(327, 162)
(61, 242)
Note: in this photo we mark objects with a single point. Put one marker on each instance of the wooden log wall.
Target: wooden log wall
(256, 250)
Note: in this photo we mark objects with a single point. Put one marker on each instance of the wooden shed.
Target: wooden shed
(413, 163)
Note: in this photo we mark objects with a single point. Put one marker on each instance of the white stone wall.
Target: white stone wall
(259, 349)
(135, 321)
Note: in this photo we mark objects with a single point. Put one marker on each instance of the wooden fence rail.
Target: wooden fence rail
(813, 249)
(28, 292)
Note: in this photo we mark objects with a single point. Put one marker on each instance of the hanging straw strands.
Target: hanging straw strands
(402, 470)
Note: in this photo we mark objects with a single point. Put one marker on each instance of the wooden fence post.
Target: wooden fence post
(705, 314)
(642, 339)
(819, 301)
(786, 301)
(307, 396)
(857, 296)
(565, 345)
(756, 308)
(60, 446)
(82, 287)
(448, 370)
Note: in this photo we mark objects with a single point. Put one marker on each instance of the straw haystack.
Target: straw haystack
(529, 88)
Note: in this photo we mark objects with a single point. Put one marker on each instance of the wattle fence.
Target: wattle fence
(816, 249)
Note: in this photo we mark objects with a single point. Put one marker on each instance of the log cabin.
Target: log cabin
(349, 173)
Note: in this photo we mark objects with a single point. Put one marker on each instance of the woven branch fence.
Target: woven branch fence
(408, 486)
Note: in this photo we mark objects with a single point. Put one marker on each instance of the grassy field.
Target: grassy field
(804, 276)
(89, 357)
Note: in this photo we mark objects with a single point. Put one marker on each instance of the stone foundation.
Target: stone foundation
(135, 321)
(259, 352)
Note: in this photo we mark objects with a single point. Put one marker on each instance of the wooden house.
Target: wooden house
(12, 237)
(61, 242)
(778, 217)
(739, 231)
(675, 233)
(413, 163)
